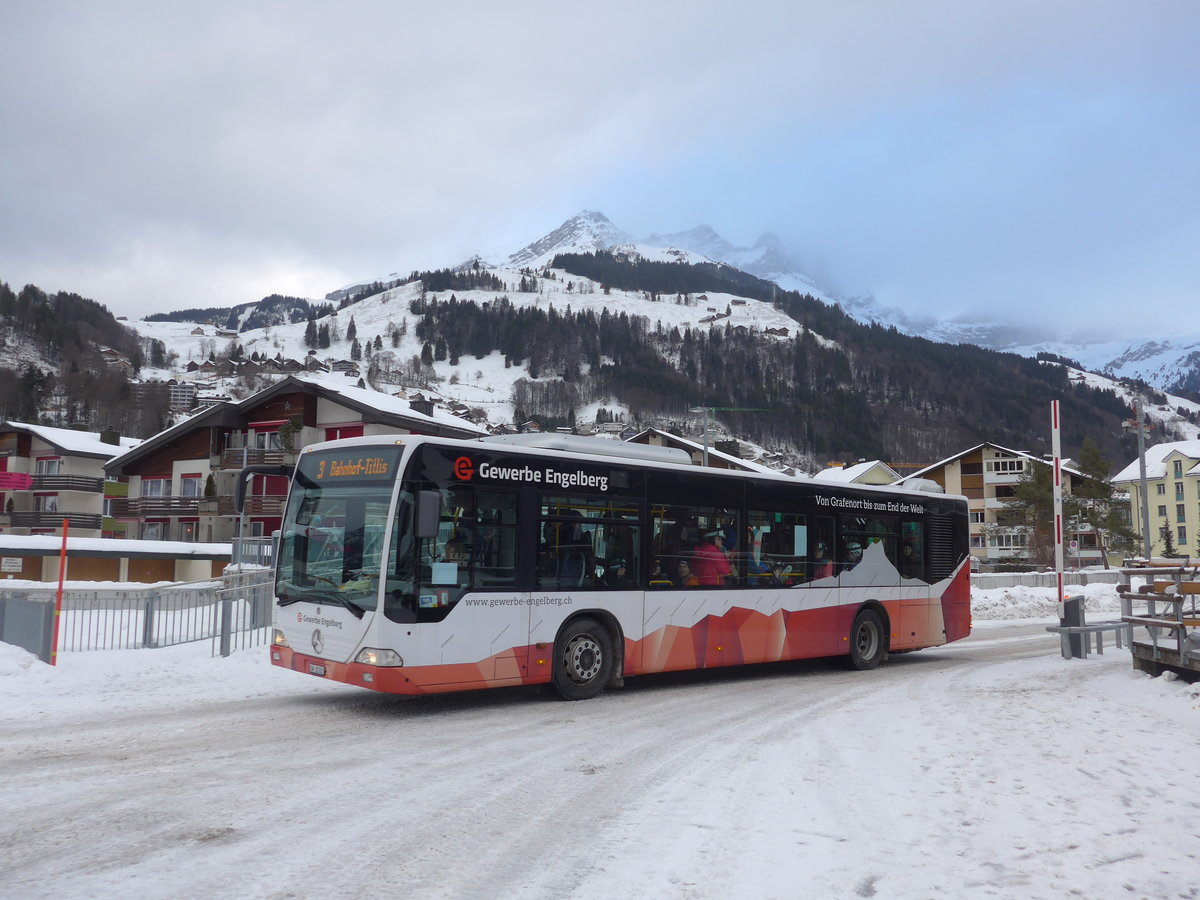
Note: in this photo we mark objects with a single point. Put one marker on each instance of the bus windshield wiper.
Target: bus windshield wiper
(320, 595)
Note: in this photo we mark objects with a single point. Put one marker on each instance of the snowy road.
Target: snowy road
(989, 768)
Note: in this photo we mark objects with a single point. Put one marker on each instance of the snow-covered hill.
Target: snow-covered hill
(479, 384)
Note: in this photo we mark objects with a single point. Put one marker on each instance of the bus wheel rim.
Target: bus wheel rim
(583, 659)
(866, 640)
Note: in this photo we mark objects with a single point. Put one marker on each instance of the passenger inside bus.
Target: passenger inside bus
(853, 554)
(658, 578)
(821, 565)
(684, 576)
(711, 562)
(456, 548)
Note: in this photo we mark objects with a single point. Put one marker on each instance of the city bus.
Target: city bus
(414, 564)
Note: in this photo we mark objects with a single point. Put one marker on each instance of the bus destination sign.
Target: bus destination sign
(355, 464)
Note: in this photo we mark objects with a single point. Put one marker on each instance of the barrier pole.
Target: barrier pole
(1070, 610)
(62, 575)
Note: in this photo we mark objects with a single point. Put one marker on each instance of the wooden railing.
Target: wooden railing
(237, 459)
(68, 483)
(43, 519)
(154, 507)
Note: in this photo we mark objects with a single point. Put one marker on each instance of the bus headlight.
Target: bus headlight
(278, 639)
(371, 656)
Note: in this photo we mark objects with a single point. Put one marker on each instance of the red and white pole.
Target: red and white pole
(1056, 446)
(62, 574)
(1070, 612)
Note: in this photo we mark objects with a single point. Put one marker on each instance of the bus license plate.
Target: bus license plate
(314, 669)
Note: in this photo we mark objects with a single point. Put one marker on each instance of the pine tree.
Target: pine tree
(1168, 540)
(323, 337)
(310, 334)
(352, 330)
(355, 347)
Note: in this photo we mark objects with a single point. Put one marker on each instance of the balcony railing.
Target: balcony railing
(174, 507)
(255, 506)
(237, 459)
(68, 483)
(42, 519)
(154, 507)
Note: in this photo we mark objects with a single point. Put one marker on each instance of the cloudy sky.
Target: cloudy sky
(1018, 157)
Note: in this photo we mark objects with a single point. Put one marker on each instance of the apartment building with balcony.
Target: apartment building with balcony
(51, 474)
(987, 475)
(1173, 495)
(182, 480)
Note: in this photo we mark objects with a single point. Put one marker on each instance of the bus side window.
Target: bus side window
(494, 551)
(912, 550)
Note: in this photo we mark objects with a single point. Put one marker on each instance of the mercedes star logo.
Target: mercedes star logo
(317, 641)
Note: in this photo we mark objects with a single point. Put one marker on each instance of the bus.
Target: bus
(413, 564)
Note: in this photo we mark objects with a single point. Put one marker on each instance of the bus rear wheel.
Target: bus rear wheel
(868, 640)
(583, 660)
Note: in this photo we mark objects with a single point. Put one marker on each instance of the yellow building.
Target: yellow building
(1173, 488)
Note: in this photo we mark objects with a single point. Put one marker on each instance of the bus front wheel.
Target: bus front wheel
(583, 660)
(868, 640)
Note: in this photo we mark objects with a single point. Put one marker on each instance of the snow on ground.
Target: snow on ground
(987, 768)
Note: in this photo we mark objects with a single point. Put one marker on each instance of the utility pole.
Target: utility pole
(711, 409)
(1143, 488)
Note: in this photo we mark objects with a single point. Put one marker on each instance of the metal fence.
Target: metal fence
(233, 612)
(1043, 579)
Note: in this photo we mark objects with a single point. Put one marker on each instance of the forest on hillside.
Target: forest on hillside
(66, 379)
(858, 392)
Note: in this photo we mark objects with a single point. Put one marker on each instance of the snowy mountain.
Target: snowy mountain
(584, 233)
(1169, 364)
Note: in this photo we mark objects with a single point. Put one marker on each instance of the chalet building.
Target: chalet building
(181, 481)
(716, 458)
(1173, 495)
(987, 475)
(51, 474)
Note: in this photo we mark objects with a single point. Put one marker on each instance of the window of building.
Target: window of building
(48, 465)
(1161, 487)
(188, 531)
(156, 487)
(267, 440)
(978, 541)
(47, 503)
(1011, 541)
(1178, 467)
(972, 468)
(1180, 513)
(977, 516)
(189, 485)
(1005, 492)
(1162, 511)
(154, 531)
(1181, 531)
(1009, 466)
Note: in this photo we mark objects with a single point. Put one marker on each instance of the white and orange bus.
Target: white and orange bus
(414, 565)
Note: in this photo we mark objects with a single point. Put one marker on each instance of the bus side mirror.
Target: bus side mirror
(429, 513)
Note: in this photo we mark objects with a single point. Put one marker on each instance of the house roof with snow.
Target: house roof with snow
(1156, 461)
(373, 406)
(71, 442)
(868, 472)
(724, 460)
(1067, 464)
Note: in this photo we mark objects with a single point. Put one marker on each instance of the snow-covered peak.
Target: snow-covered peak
(701, 240)
(585, 233)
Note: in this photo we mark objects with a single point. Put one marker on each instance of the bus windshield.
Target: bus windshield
(332, 537)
